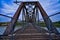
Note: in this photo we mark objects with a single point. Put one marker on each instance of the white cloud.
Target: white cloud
(11, 9)
(8, 8)
(45, 3)
(27, 0)
(50, 6)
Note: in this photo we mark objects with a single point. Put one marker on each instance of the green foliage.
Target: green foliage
(4, 23)
(56, 24)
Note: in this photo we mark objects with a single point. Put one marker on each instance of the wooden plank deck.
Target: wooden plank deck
(31, 33)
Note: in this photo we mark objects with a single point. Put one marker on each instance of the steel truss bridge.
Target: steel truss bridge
(30, 31)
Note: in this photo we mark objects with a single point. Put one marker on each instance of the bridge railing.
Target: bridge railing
(4, 20)
(51, 16)
(41, 19)
(54, 18)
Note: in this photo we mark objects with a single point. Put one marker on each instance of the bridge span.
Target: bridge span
(30, 31)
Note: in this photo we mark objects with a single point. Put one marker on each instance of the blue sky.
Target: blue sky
(7, 7)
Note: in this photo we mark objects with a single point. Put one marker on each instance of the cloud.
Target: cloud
(50, 6)
(8, 9)
(28, 0)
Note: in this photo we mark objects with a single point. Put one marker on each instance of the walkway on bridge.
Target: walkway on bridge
(30, 31)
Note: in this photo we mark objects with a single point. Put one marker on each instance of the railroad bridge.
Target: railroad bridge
(30, 31)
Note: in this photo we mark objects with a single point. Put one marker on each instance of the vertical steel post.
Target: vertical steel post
(37, 14)
(33, 16)
(23, 16)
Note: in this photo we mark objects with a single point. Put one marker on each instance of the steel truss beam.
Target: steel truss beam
(11, 26)
(48, 22)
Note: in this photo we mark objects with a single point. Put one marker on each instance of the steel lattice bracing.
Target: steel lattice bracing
(48, 22)
(11, 26)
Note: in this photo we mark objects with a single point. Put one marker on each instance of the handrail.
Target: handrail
(40, 19)
(52, 15)
(6, 16)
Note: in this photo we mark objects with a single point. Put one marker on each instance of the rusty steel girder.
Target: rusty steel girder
(47, 20)
(11, 26)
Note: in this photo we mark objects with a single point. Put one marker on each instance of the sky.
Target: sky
(8, 7)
